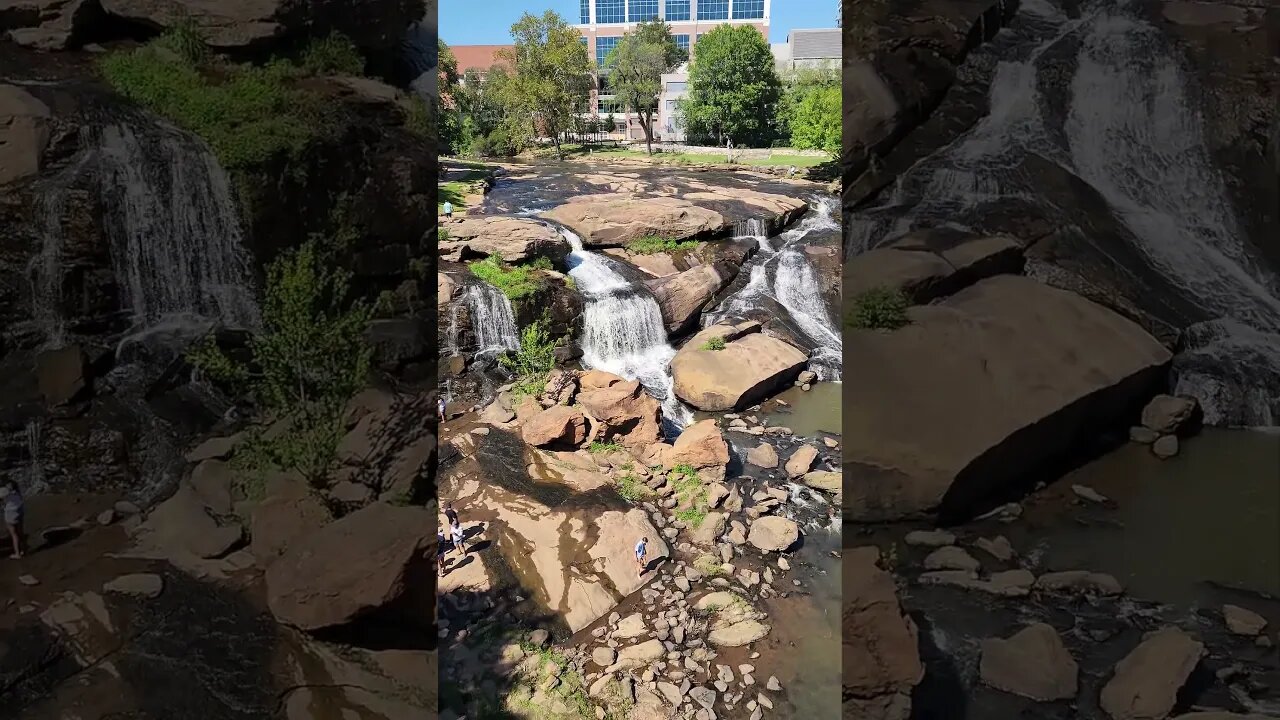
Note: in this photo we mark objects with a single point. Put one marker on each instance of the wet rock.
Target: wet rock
(515, 240)
(930, 538)
(145, 585)
(1079, 581)
(1167, 415)
(751, 367)
(629, 414)
(828, 482)
(682, 296)
(1010, 583)
(351, 567)
(771, 533)
(801, 460)
(557, 425)
(1087, 493)
(62, 374)
(1033, 663)
(1165, 447)
(997, 547)
(917, 452)
(1243, 622)
(951, 557)
(763, 456)
(1146, 682)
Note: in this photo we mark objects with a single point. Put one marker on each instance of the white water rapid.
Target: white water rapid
(492, 319)
(786, 276)
(623, 332)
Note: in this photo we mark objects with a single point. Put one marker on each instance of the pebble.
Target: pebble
(28, 580)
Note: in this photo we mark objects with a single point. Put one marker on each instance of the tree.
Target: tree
(815, 125)
(450, 114)
(636, 65)
(308, 361)
(733, 87)
(552, 73)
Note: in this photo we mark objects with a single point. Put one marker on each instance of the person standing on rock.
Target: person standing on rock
(459, 538)
(448, 209)
(642, 551)
(13, 513)
(450, 514)
(440, 407)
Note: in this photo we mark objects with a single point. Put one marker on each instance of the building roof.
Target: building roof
(477, 57)
(821, 43)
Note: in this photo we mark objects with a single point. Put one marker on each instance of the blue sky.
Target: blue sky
(488, 22)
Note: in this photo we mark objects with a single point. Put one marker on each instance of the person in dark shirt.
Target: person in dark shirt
(450, 513)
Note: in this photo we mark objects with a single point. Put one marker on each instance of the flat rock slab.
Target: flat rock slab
(1033, 663)
(748, 369)
(617, 219)
(881, 656)
(513, 239)
(1007, 350)
(1146, 682)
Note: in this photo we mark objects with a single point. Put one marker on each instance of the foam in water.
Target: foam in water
(175, 231)
(492, 319)
(623, 331)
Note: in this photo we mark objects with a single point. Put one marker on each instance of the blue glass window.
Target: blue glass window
(677, 10)
(713, 9)
(584, 11)
(603, 46)
(682, 42)
(610, 11)
(641, 10)
(748, 9)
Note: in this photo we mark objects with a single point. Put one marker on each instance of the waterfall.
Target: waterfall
(1133, 136)
(175, 232)
(786, 277)
(35, 478)
(492, 319)
(45, 269)
(623, 331)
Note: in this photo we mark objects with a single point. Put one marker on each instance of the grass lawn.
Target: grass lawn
(461, 188)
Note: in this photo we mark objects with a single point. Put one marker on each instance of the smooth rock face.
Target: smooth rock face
(618, 218)
(701, 445)
(681, 297)
(1243, 622)
(930, 264)
(1166, 414)
(279, 521)
(1006, 350)
(555, 425)
(770, 533)
(515, 240)
(368, 560)
(801, 460)
(47, 24)
(763, 455)
(828, 482)
(746, 371)
(1146, 682)
(880, 652)
(1033, 663)
(24, 132)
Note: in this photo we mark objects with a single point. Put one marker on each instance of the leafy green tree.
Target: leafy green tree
(815, 124)
(449, 116)
(552, 74)
(307, 362)
(636, 65)
(533, 361)
(796, 86)
(733, 87)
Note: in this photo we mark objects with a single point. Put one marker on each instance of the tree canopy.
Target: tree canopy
(552, 73)
(733, 87)
(636, 66)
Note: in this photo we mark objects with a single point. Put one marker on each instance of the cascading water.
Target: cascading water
(623, 331)
(492, 319)
(787, 277)
(1132, 135)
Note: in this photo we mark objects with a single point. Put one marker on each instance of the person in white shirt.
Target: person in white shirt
(642, 550)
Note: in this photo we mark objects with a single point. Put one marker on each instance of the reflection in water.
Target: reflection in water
(811, 412)
(1207, 515)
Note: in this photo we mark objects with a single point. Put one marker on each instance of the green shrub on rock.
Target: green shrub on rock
(514, 281)
(333, 55)
(715, 343)
(533, 361)
(879, 309)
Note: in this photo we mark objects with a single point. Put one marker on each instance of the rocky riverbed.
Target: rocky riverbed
(661, 420)
(1034, 460)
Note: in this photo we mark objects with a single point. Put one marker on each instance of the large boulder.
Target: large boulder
(374, 559)
(629, 414)
(745, 371)
(617, 219)
(24, 132)
(930, 264)
(881, 658)
(1008, 350)
(681, 297)
(47, 24)
(280, 520)
(701, 446)
(555, 425)
(258, 24)
(1146, 682)
(770, 533)
(515, 240)
(390, 448)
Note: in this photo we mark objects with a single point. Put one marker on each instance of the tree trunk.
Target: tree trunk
(646, 122)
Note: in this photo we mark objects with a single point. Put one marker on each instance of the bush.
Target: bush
(185, 40)
(880, 309)
(632, 490)
(309, 359)
(650, 244)
(597, 447)
(514, 281)
(248, 114)
(533, 361)
(417, 118)
(715, 343)
(333, 55)
(816, 122)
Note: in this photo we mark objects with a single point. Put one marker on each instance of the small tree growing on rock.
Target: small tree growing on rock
(307, 362)
(879, 309)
